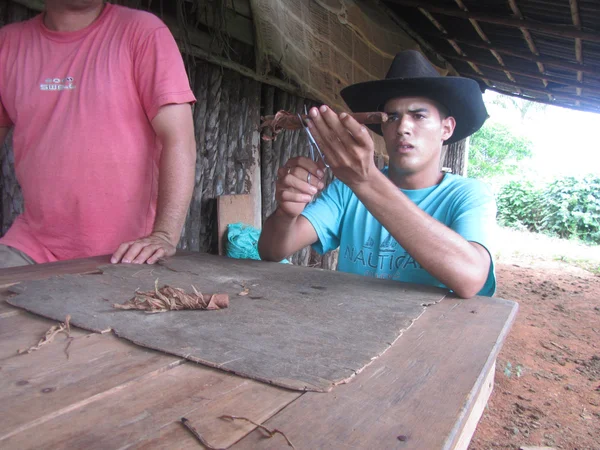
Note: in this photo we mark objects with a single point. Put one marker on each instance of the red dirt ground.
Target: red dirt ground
(547, 389)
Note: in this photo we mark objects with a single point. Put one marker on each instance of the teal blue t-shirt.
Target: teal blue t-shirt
(465, 205)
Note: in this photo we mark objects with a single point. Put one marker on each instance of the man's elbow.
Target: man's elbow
(470, 284)
(265, 251)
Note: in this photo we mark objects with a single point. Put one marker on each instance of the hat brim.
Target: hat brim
(461, 97)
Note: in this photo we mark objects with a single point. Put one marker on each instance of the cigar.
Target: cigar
(284, 120)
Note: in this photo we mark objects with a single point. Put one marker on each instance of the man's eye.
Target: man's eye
(392, 117)
(419, 116)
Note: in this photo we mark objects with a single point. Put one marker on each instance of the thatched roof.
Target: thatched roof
(542, 50)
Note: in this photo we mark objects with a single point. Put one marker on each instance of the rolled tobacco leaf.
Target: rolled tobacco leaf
(271, 126)
(169, 298)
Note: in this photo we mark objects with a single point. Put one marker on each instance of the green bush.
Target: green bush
(520, 206)
(495, 150)
(568, 207)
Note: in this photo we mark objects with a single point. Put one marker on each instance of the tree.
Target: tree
(495, 150)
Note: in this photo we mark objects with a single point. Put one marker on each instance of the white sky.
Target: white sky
(565, 142)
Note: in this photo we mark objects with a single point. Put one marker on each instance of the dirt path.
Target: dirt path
(547, 390)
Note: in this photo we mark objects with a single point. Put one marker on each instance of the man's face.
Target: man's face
(414, 134)
(73, 5)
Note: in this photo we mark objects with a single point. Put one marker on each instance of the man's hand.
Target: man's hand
(346, 144)
(146, 250)
(297, 182)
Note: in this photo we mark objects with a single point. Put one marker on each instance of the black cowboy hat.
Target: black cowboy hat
(412, 75)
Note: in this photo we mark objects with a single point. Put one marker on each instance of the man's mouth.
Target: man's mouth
(404, 147)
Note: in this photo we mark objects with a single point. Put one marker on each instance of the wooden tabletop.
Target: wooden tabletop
(427, 391)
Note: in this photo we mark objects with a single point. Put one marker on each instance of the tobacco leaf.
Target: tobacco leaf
(169, 298)
(50, 335)
(284, 120)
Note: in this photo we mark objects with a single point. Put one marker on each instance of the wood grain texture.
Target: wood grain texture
(252, 400)
(44, 384)
(424, 387)
(21, 331)
(477, 408)
(341, 321)
(41, 271)
(147, 411)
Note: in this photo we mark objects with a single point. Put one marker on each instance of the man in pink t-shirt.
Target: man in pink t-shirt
(99, 100)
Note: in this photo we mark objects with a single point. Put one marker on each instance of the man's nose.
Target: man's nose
(404, 125)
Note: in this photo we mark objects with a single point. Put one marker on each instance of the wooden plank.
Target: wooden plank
(252, 400)
(21, 331)
(232, 209)
(148, 412)
(41, 271)
(44, 384)
(7, 310)
(443, 356)
(90, 265)
(462, 443)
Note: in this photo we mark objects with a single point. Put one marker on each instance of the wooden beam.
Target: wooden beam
(549, 28)
(527, 36)
(545, 91)
(454, 45)
(578, 44)
(549, 61)
(483, 36)
(539, 76)
(415, 36)
(546, 102)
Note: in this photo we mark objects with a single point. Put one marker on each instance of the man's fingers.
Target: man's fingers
(294, 197)
(145, 253)
(307, 164)
(133, 251)
(325, 138)
(339, 127)
(158, 254)
(118, 254)
(358, 132)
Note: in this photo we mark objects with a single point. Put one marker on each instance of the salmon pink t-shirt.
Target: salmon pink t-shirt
(81, 104)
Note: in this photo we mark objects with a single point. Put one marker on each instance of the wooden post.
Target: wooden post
(456, 157)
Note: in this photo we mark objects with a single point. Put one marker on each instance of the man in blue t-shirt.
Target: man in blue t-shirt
(409, 222)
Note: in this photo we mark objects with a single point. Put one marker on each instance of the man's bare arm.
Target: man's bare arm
(286, 231)
(461, 265)
(175, 129)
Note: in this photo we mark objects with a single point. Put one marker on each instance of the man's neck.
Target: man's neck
(415, 180)
(63, 19)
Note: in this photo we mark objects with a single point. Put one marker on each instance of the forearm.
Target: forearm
(438, 249)
(175, 187)
(281, 237)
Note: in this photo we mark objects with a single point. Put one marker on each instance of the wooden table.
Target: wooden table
(427, 391)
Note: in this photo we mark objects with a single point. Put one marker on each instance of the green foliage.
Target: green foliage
(495, 150)
(520, 206)
(573, 208)
(568, 207)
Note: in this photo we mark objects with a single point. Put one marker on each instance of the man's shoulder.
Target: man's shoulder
(136, 18)
(17, 28)
(453, 182)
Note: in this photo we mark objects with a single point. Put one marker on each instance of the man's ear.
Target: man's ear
(448, 125)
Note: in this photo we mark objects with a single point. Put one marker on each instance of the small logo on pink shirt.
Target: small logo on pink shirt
(57, 84)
